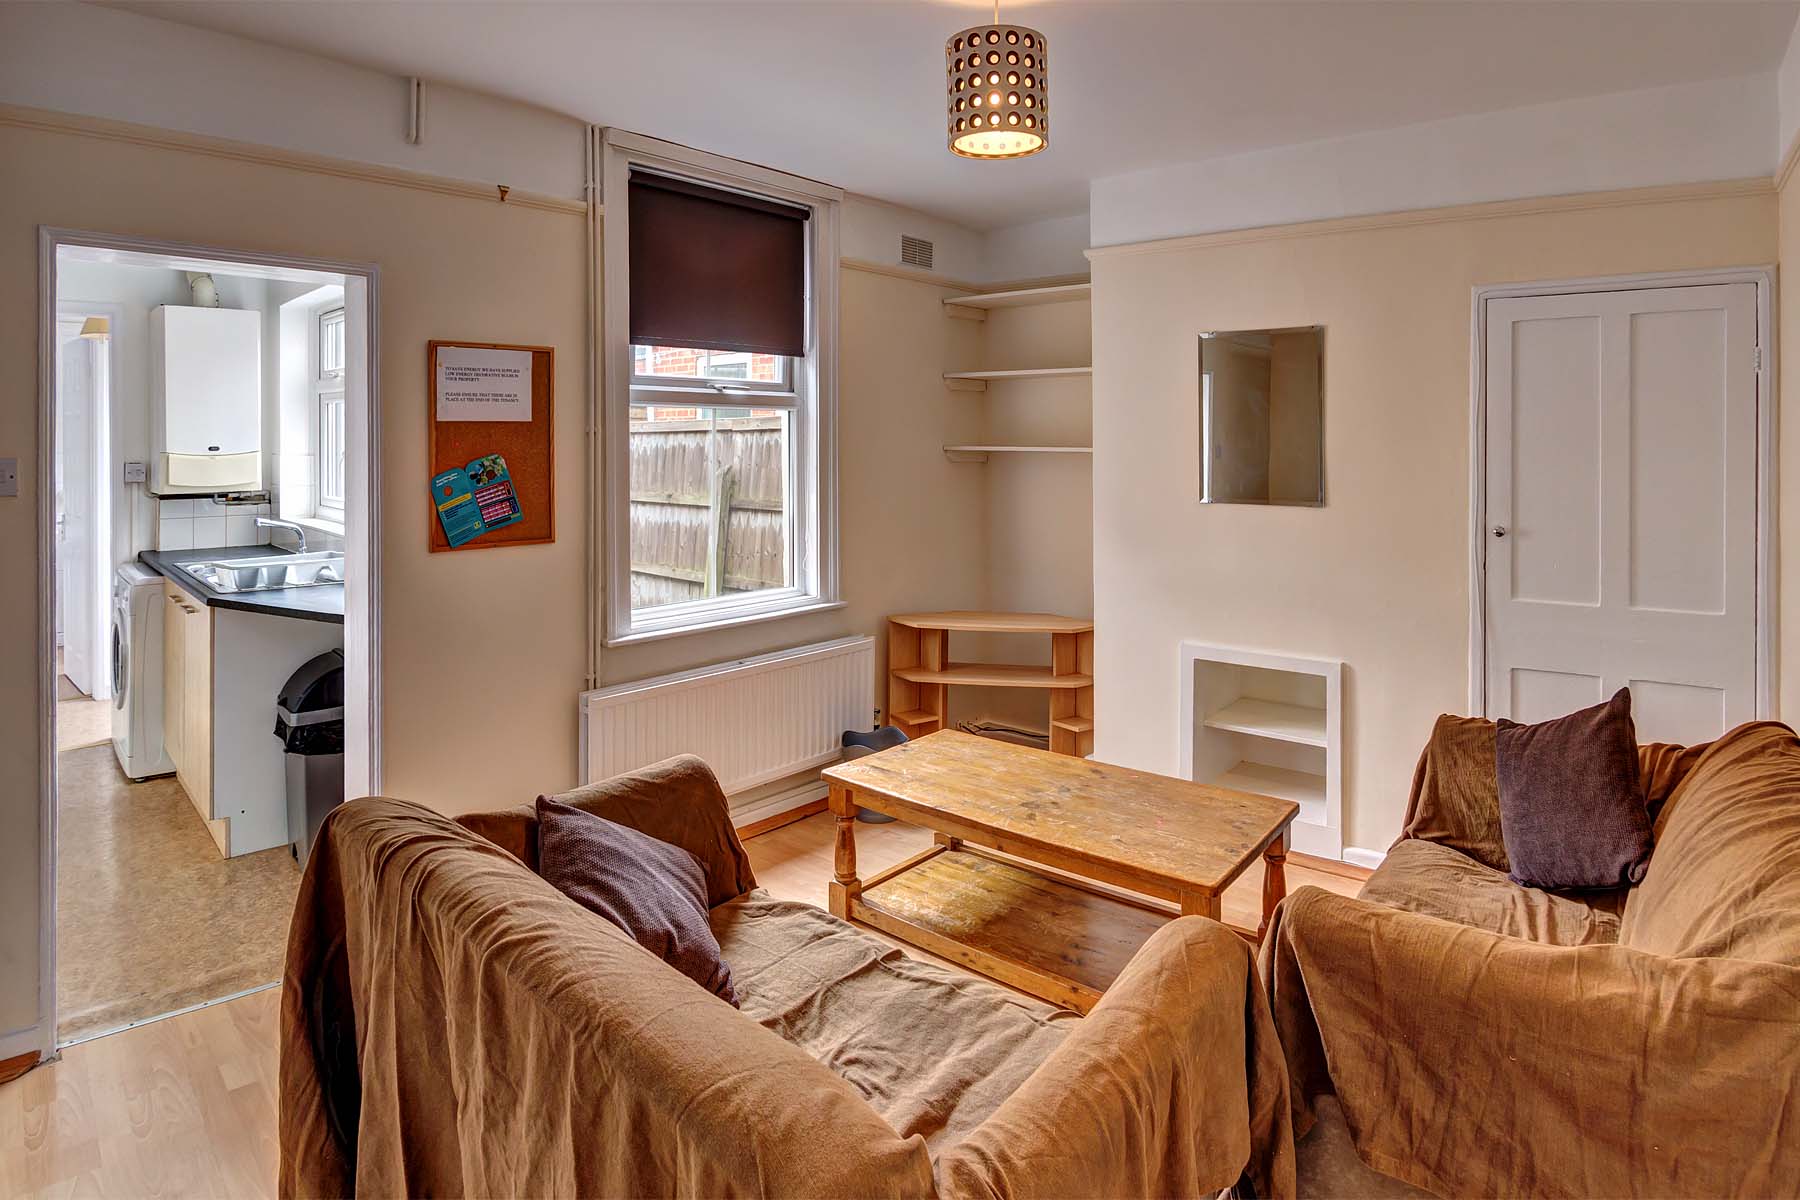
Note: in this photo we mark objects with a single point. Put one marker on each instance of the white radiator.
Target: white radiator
(754, 721)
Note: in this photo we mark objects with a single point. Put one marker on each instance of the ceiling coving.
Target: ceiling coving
(996, 91)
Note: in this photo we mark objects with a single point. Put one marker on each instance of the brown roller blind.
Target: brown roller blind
(716, 270)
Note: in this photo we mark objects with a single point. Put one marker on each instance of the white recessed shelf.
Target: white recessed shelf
(977, 381)
(980, 453)
(1271, 719)
(975, 308)
(1304, 788)
(1270, 724)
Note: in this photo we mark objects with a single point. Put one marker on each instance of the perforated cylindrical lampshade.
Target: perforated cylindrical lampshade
(997, 90)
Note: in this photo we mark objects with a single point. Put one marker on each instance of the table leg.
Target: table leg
(1274, 880)
(1202, 904)
(844, 883)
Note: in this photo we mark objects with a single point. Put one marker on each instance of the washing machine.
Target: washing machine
(137, 666)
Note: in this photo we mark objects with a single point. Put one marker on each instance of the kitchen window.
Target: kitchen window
(328, 413)
(720, 392)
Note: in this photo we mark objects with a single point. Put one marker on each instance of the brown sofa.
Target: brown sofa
(452, 1025)
(1486, 1039)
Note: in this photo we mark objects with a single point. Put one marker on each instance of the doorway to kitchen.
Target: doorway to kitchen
(209, 629)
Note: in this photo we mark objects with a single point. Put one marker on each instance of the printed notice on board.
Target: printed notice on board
(483, 385)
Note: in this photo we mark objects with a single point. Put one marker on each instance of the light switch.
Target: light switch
(135, 472)
(9, 476)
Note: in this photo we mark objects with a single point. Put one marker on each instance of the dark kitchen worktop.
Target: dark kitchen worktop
(322, 602)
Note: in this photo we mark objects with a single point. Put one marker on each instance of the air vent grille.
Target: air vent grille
(915, 252)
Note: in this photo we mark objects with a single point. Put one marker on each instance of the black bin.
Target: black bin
(309, 720)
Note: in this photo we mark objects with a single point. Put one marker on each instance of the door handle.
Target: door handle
(1499, 531)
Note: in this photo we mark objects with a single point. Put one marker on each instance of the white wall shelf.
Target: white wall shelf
(980, 453)
(974, 308)
(1302, 787)
(1271, 719)
(1270, 724)
(977, 381)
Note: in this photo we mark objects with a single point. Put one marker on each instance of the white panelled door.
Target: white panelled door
(84, 596)
(1621, 539)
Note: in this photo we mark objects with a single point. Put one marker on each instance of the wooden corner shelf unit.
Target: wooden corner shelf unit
(920, 671)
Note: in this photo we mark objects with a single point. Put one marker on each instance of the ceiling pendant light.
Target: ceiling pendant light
(996, 90)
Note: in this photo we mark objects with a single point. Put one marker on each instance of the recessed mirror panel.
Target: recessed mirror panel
(1262, 416)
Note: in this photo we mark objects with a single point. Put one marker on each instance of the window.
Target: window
(719, 393)
(328, 413)
(677, 367)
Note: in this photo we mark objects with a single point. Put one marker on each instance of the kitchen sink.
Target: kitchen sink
(268, 572)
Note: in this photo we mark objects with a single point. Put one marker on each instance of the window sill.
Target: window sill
(335, 528)
(722, 622)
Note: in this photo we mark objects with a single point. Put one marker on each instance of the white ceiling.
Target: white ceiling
(850, 91)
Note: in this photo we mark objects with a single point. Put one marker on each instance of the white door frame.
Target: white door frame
(1767, 449)
(42, 1037)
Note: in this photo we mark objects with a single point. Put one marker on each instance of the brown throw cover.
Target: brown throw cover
(1571, 812)
(653, 891)
(1485, 1039)
(452, 1025)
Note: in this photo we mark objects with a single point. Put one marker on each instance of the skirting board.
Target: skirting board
(1364, 858)
(779, 804)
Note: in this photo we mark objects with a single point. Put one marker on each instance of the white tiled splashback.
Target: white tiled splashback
(200, 523)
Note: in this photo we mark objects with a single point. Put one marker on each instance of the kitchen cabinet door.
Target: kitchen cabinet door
(197, 715)
(174, 676)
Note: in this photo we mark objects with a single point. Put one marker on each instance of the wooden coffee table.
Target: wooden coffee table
(1114, 854)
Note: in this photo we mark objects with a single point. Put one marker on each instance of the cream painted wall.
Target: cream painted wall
(1683, 133)
(1379, 576)
(456, 267)
(1038, 511)
(505, 625)
(129, 66)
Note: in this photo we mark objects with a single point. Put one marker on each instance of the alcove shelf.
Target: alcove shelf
(1298, 723)
(1302, 787)
(921, 671)
(977, 381)
(980, 453)
(974, 308)
(1270, 724)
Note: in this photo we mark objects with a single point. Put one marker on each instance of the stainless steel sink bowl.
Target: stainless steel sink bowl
(269, 572)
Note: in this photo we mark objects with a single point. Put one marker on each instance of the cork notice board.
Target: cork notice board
(528, 447)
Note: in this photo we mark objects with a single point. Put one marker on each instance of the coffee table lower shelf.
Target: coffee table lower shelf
(1049, 936)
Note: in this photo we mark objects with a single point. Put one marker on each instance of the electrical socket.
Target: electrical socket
(136, 472)
(9, 476)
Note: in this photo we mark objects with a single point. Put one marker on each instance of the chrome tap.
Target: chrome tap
(271, 523)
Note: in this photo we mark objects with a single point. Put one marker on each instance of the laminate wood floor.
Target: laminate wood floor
(186, 1106)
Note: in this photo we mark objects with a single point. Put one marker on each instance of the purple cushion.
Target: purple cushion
(1571, 814)
(653, 891)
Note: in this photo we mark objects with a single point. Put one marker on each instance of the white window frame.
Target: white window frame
(327, 387)
(720, 390)
(811, 397)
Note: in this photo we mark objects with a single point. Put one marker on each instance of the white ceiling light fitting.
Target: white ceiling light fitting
(997, 90)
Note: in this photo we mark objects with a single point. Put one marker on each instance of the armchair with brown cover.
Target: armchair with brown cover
(1484, 1038)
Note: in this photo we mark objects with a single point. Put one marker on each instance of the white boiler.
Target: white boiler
(205, 400)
